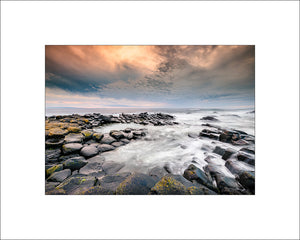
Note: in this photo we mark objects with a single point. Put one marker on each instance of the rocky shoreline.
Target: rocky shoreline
(74, 163)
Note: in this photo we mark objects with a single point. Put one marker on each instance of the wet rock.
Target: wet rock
(193, 135)
(240, 142)
(66, 157)
(54, 143)
(112, 167)
(238, 167)
(55, 168)
(87, 134)
(228, 153)
(206, 148)
(200, 190)
(128, 130)
(78, 184)
(209, 118)
(74, 138)
(52, 155)
(194, 173)
(93, 169)
(218, 150)
(116, 134)
(247, 180)
(117, 144)
(89, 151)
(59, 176)
(111, 182)
(136, 184)
(125, 141)
(157, 172)
(107, 139)
(168, 186)
(247, 158)
(75, 163)
(105, 147)
(214, 136)
(71, 148)
(227, 136)
(210, 159)
(249, 150)
(97, 136)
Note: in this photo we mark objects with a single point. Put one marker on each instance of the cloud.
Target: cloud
(174, 75)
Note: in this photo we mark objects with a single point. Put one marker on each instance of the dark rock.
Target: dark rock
(112, 167)
(97, 136)
(75, 163)
(92, 169)
(227, 136)
(248, 150)
(54, 143)
(158, 172)
(247, 158)
(111, 182)
(59, 176)
(238, 167)
(194, 173)
(55, 168)
(64, 158)
(89, 151)
(128, 130)
(168, 186)
(49, 186)
(87, 134)
(136, 184)
(240, 142)
(52, 155)
(218, 150)
(117, 144)
(227, 154)
(209, 118)
(116, 134)
(105, 147)
(107, 139)
(247, 180)
(78, 184)
(125, 141)
(74, 138)
(71, 148)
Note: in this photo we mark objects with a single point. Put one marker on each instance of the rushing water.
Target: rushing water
(172, 147)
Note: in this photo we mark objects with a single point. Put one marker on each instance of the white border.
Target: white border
(27, 213)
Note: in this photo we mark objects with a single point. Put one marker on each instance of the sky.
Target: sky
(175, 76)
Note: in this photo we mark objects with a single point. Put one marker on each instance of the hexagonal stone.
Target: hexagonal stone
(71, 148)
(75, 163)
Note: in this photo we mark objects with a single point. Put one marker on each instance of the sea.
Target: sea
(170, 146)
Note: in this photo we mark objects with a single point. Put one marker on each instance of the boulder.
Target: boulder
(75, 163)
(53, 169)
(57, 132)
(247, 158)
(112, 167)
(74, 138)
(89, 151)
(74, 129)
(105, 147)
(117, 144)
(111, 182)
(238, 167)
(54, 143)
(168, 186)
(247, 180)
(219, 150)
(92, 169)
(136, 184)
(116, 134)
(71, 148)
(87, 134)
(125, 141)
(52, 155)
(78, 184)
(107, 139)
(227, 154)
(194, 173)
(97, 136)
(59, 176)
